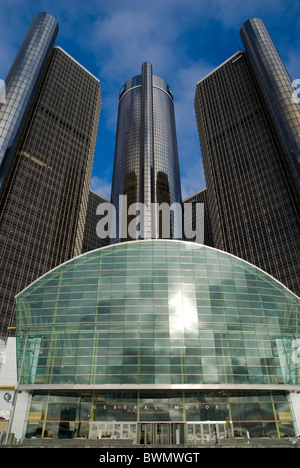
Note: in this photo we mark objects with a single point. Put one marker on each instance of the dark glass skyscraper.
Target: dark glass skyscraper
(190, 219)
(251, 195)
(146, 167)
(91, 240)
(275, 82)
(44, 195)
(22, 78)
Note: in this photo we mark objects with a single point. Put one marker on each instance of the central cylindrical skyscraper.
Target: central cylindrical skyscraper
(146, 167)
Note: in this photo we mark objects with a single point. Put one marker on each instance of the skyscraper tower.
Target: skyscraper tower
(22, 78)
(276, 84)
(91, 240)
(146, 167)
(45, 191)
(251, 191)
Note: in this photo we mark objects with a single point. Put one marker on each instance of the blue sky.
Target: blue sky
(184, 41)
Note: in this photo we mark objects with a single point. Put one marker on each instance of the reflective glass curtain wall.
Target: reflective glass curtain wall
(22, 78)
(45, 191)
(121, 414)
(159, 313)
(277, 88)
(146, 167)
(158, 331)
(252, 205)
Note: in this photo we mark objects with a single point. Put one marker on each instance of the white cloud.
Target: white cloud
(127, 38)
(101, 186)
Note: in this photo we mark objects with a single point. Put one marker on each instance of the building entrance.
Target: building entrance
(160, 433)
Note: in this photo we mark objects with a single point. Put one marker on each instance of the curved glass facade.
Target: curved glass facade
(23, 75)
(146, 167)
(159, 313)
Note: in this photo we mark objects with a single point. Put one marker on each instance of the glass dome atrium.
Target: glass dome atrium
(158, 315)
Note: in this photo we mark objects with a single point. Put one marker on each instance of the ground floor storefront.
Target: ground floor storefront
(162, 433)
(159, 417)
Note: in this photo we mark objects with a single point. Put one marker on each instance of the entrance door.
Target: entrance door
(164, 433)
(161, 433)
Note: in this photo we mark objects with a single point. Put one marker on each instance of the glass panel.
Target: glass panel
(198, 432)
(221, 431)
(133, 432)
(190, 434)
(116, 434)
(148, 434)
(34, 430)
(125, 431)
(206, 432)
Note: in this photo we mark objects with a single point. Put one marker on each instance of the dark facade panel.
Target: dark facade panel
(190, 219)
(91, 240)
